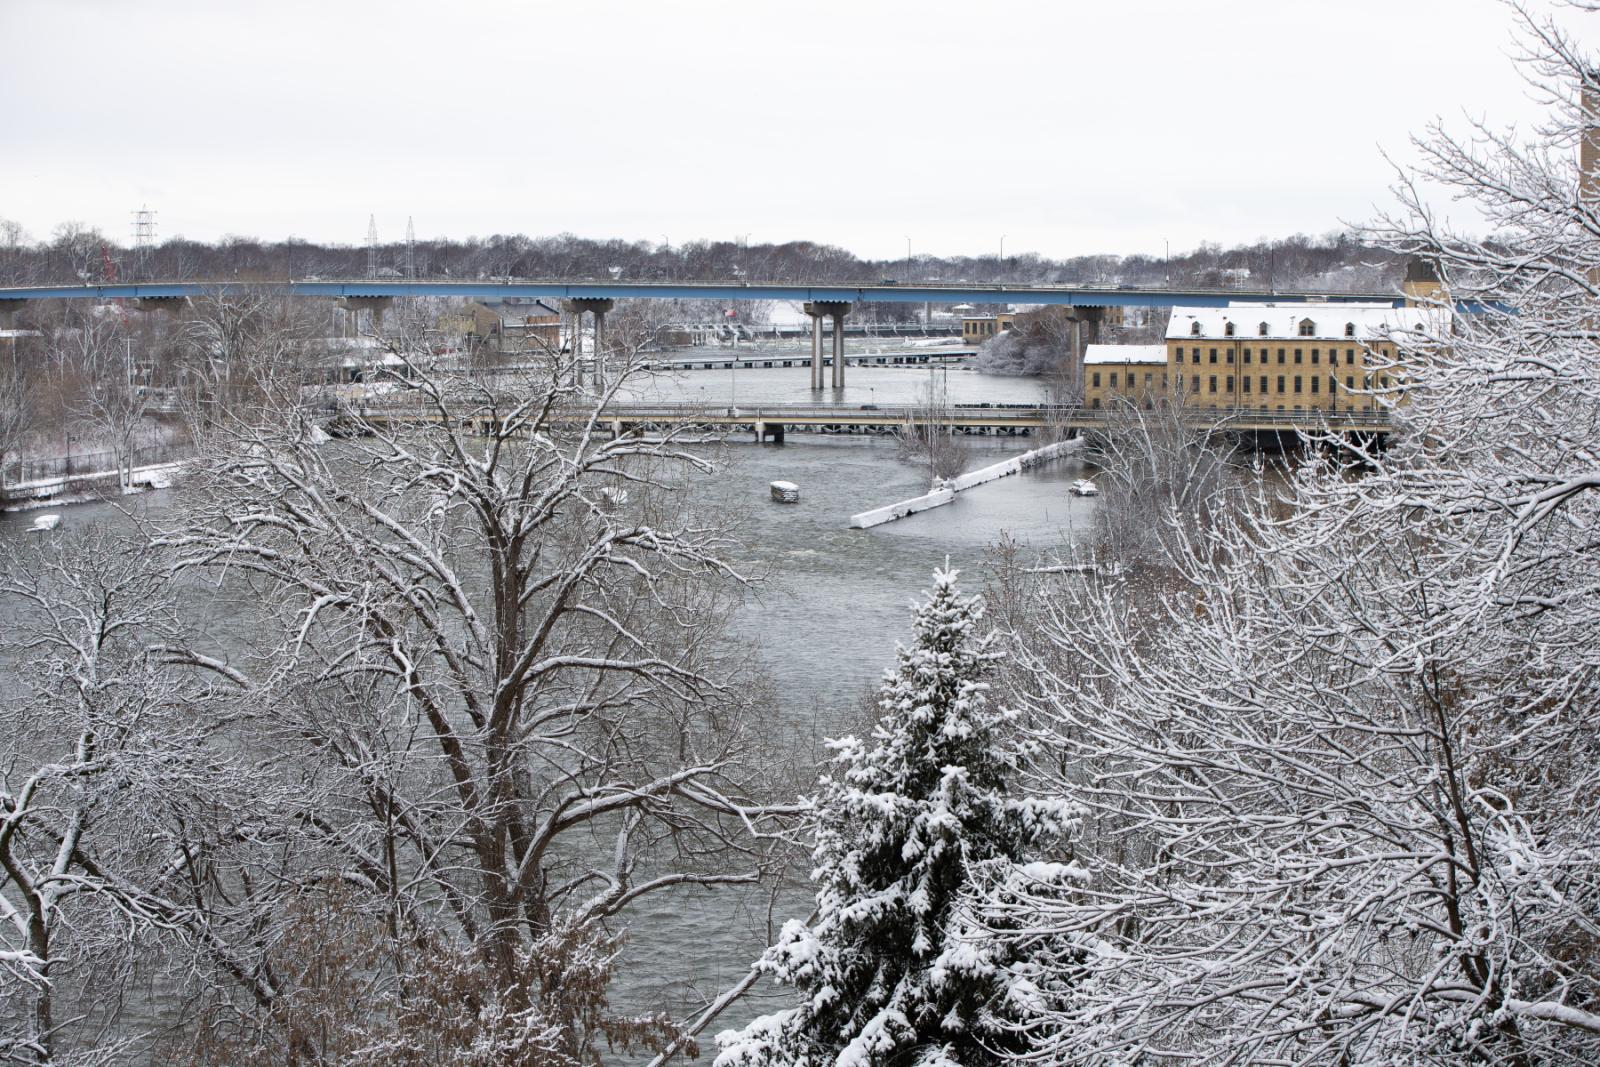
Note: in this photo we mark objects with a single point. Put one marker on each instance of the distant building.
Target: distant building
(511, 324)
(976, 329)
(1421, 283)
(1137, 373)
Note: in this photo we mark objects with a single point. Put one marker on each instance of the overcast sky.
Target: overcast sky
(1068, 127)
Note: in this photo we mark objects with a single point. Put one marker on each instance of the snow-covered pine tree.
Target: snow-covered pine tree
(902, 825)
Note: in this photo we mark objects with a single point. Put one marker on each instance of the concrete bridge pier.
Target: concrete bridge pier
(376, 306)
(836, 310)
(1086, 323)
(172, 305)
(596, 306)
(764, 430)
(816, 347)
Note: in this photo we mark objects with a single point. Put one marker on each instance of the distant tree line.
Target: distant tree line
(75, 253)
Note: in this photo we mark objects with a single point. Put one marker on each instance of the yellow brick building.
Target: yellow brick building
(1136, 373)
(1285, 358)
(976, 329)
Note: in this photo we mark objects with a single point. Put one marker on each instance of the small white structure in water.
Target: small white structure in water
(1084, 487)
(785, 492)
(45, 523)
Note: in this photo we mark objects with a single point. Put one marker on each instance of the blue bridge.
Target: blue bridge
(580, 298)
(1101, 296)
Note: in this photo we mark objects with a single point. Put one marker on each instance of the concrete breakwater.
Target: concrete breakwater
(946, 492)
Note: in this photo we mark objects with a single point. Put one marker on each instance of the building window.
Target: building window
(1095, 403)
(1349, 329)
(1316, 356)
(1194, 329)
(1349, 383)
(1213, 355)
(1213, 383)
(1314, 381)
(1194, 383)
(1264, 383)
(1230, 355)
(1333, 357)
(1247, 355)
(1308, 328)
(1349, 355)
(1262, 329)
(1297, 380)
(1227, 330)
(1230, 383)
(1246, 384)
(1094, 379)
(1280, 357)
(1298, 353)
(1280, 383)
(1147, 383)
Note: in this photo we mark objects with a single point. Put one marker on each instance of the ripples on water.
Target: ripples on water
(825, 624)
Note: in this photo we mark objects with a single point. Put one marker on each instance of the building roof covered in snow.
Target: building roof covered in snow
(1327, 322)
(1096, 354)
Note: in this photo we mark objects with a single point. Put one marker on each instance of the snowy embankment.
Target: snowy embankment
(946, 492)
(82, 488)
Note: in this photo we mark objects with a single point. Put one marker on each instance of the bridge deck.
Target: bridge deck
(1009, 419)
(853, 292)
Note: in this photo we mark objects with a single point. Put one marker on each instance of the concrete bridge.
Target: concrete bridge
(705, 333)
(771, 422)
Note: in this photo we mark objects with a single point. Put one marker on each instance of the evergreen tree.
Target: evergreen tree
(902, 825)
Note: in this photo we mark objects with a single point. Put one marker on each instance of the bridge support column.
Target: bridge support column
(374, 305)
(816, 347)
(836, 310)
(838, 346)
(598, 306)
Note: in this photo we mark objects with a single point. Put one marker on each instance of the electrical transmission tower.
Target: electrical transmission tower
(372, 246)
(144, 239)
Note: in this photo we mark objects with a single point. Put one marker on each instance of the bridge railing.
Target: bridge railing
(868, 414)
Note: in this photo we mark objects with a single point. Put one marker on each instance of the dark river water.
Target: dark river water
(825, 621)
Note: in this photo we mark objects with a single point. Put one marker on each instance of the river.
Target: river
(836, 600)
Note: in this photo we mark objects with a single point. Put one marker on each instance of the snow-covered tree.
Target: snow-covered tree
(102, 751)
(1341, 776)
(902, 826)
(473, 655)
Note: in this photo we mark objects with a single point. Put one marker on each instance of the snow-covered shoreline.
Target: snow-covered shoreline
(69, 489)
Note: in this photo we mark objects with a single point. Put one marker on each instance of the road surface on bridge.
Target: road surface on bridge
(850, 292)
